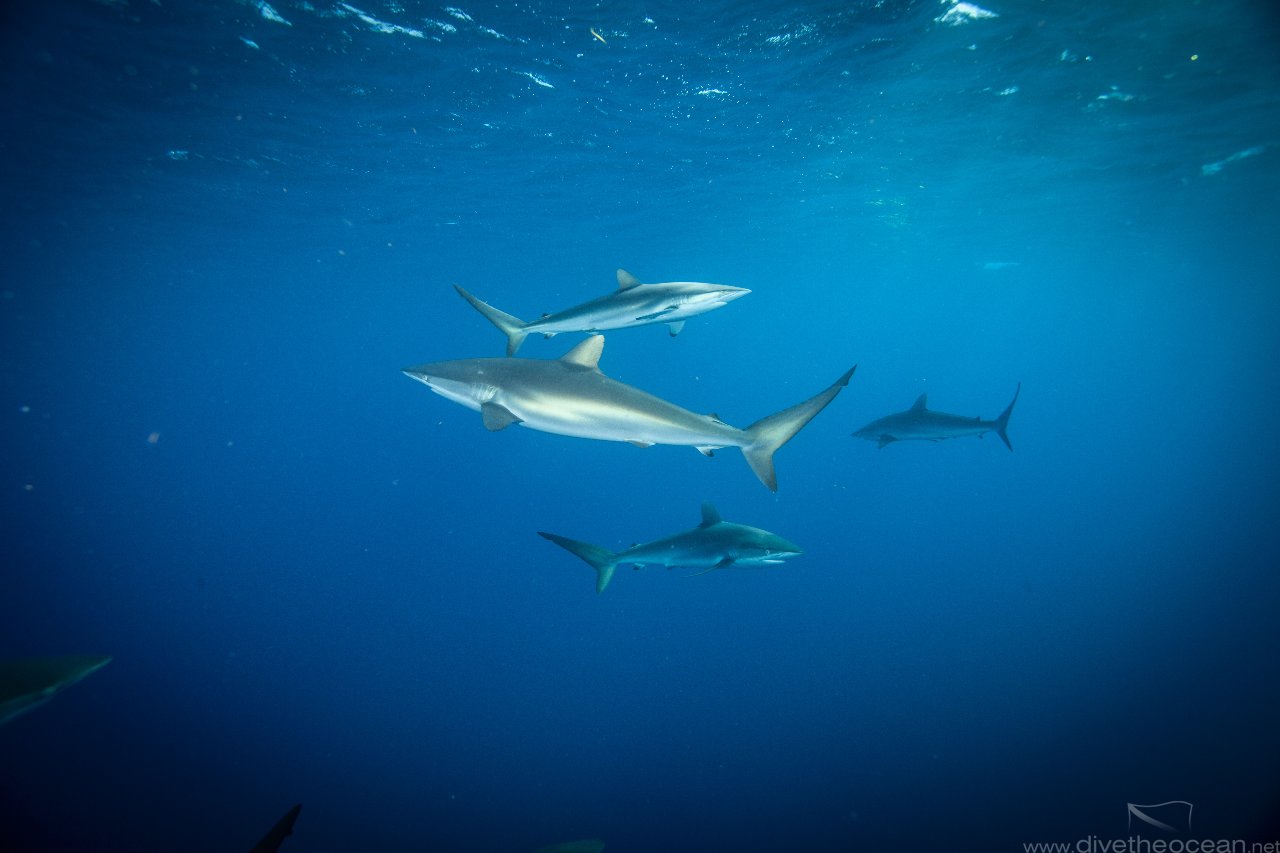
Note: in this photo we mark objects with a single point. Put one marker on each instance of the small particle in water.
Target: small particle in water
(599, 37)
(178, 154)
(253, 44)
(26, 410)
(154, 438)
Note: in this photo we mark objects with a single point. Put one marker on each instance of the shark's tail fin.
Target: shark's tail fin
(1002, 422)
(512, 327)
(768, 434)
(602, 560)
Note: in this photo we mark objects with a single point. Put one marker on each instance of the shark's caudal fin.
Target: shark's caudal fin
(1003, 421)
(768, 434)
(602, 560)
(512, 327)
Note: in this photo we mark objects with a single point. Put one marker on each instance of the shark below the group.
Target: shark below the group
(632, 304)
(713, 544)
(920, 423)
(570, 396)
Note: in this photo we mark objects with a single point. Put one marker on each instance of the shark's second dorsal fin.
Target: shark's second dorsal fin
(626, 280)
(587, 353)
(921, 403)
(709, 515)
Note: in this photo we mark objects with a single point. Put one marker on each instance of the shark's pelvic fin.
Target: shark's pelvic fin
(709, 515)
(587, 353)
(626, 280)
(1002, 422)
(496, 417)
(602, 560)
(512, 327)
(769, 434)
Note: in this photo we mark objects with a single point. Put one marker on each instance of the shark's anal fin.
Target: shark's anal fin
(497, 417)
(675, 328)
(626, 280)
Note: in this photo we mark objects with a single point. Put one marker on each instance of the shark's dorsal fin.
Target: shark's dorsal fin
(587, 353)
(709, 515)
(626, 280)
(921, 403)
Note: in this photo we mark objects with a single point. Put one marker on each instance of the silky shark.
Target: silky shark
(921, 424)
(713, 544)
(570, 396)
(30, 682)
(632, 304)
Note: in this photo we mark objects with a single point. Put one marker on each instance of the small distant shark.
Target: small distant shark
(713, 544)
(632, 304)
(270, 843)
(920, 424)
(30, 682)
(570, 396)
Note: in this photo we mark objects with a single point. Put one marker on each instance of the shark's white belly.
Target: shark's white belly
(651, 421)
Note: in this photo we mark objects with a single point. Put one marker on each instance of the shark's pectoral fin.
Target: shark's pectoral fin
(638, 443)
(708, 449)
(675, 328)
(656, 314)
(497, 417)
(886, 439)
(724, 563)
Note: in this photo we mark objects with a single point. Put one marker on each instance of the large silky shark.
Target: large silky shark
(30, 682)
(919, 423)
(632, 304)
(570, 396)
(713, 544)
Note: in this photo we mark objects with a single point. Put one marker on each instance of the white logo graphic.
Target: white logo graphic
(1173, 816)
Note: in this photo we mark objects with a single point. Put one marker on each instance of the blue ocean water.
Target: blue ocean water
(228, 225)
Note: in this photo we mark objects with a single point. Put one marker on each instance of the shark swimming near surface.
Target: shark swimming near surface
(919, 423)
(570, 396)
(713, 544)
(632, 304)
(30, 682)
